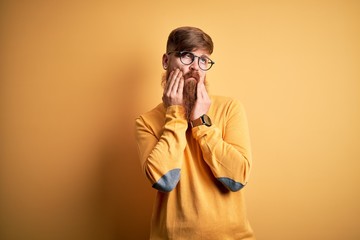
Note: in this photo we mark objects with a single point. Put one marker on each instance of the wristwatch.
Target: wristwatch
(203, 120)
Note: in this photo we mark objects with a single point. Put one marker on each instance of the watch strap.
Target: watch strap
(197, 122)
(203, 120)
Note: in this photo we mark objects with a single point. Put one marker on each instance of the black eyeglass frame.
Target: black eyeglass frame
(179, 53)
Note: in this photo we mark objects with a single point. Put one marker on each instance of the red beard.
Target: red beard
(189, 96)
(189, 91)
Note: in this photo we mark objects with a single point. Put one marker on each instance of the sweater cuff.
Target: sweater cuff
(176, 111)
(201, 131)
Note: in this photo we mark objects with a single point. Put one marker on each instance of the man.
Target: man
(195, 149)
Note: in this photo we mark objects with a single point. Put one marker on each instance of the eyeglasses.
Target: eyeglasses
(188, 58)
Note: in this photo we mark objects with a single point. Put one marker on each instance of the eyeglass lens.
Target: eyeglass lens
(188, 57)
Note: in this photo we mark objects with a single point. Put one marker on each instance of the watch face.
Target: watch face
(207, 120)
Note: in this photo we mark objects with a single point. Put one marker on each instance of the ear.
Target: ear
(165, 61)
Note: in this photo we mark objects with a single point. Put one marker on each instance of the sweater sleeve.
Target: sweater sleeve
(161, 157)
(228, 154)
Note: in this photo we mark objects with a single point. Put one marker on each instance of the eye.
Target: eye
(204, 60)
(187, 55)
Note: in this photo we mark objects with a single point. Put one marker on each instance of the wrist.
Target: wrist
(202, 120)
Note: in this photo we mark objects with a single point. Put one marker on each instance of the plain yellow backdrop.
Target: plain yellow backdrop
(75, 74)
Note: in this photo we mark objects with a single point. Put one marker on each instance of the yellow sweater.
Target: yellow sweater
(198, 171)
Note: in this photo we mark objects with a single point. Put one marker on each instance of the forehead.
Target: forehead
(200, 52)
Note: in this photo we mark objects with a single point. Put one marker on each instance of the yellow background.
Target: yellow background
(75, 74)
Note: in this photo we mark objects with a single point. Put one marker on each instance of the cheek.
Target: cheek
(176, 64)
(185, 69)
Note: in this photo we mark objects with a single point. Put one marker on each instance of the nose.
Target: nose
(195, 64)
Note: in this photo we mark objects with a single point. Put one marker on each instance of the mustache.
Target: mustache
(192, 74)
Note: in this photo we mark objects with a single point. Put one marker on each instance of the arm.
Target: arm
(228, 154)
(161, 157)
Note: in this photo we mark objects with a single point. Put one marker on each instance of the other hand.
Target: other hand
(202, 103)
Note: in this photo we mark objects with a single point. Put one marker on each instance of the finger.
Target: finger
(204, 92)
(198, 90)
(176, 73)
(171, 82)
(177, 76)
(168, 81)
(181, 86)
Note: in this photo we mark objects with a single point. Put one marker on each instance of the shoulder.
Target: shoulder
(154, 113)
(153, 119)
(225, 102)
(224, 108)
